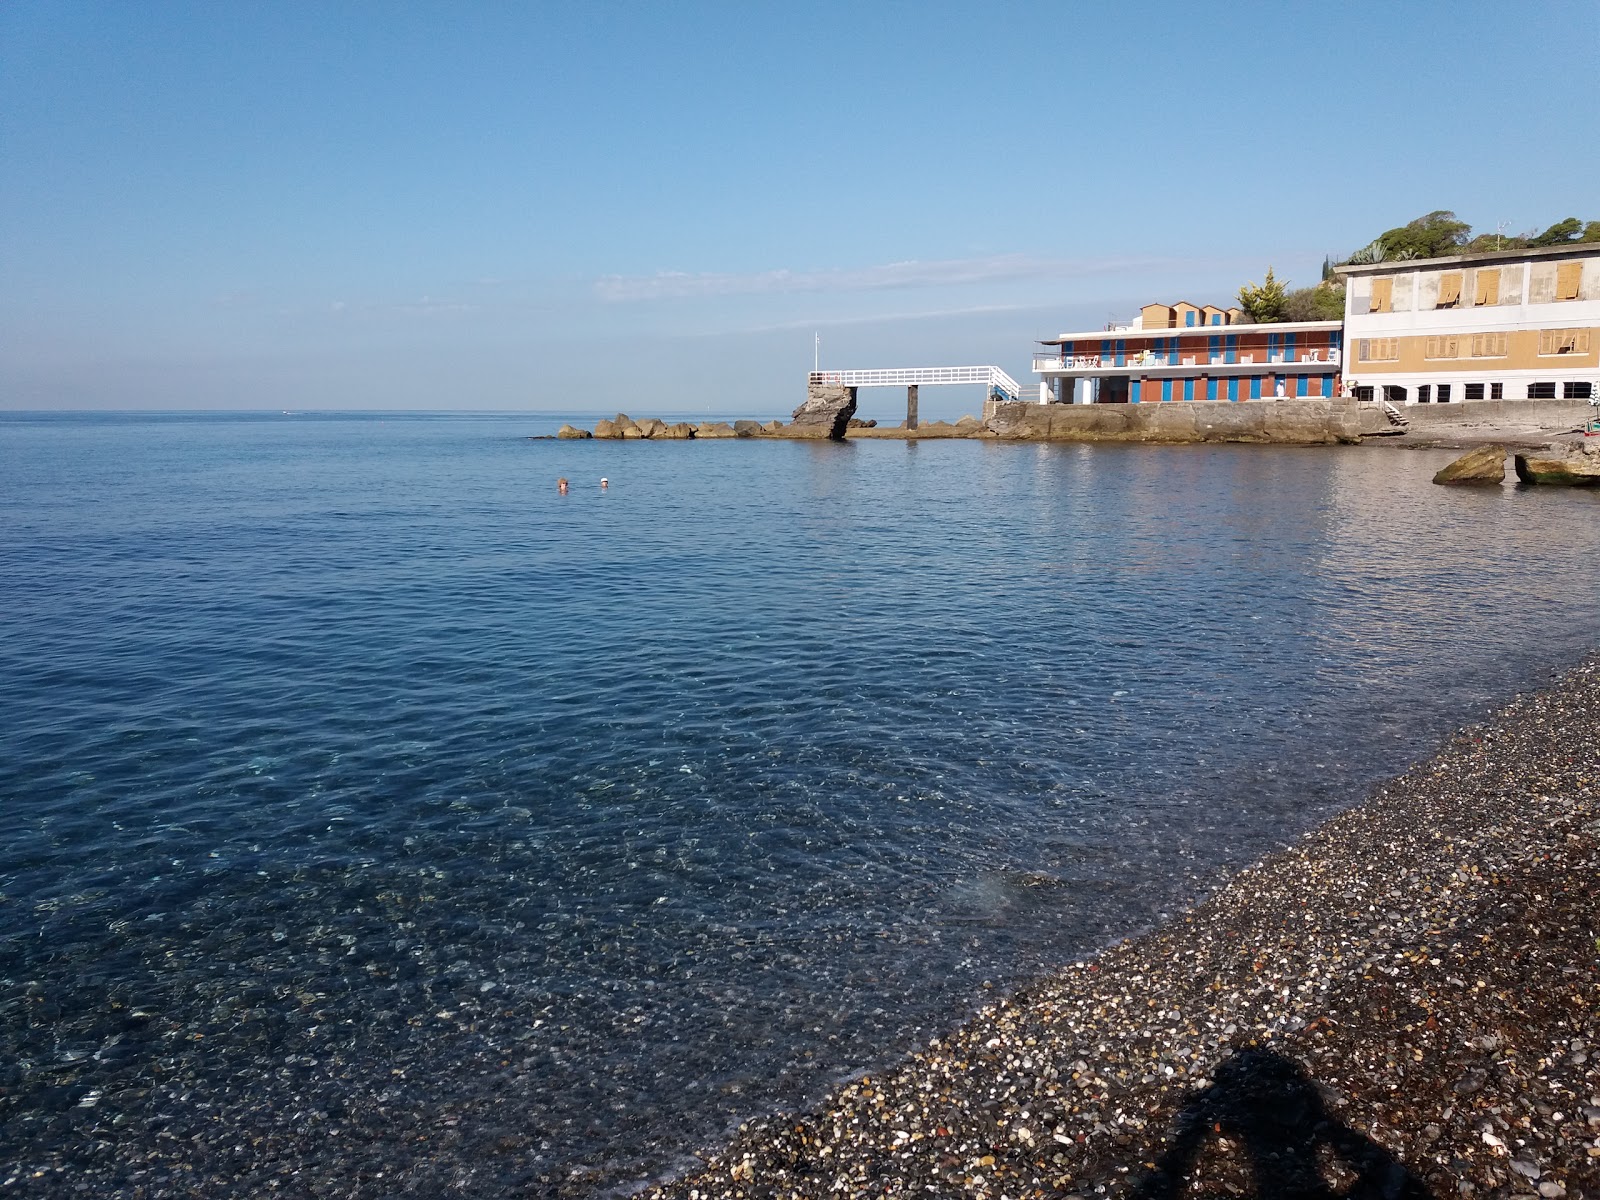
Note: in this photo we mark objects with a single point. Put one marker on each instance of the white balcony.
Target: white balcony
(1313, 362)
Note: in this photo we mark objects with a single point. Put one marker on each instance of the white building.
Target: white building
(1507, 325)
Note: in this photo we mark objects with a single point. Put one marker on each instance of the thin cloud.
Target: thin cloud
(886, 318)
(1002, 268)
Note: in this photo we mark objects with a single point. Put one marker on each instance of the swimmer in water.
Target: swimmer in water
(604, 483)
(561, 486)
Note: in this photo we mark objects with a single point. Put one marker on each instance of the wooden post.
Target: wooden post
(911, 407)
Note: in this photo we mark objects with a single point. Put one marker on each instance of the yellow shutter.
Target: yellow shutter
(1488, 285)
(1567, 276)
(1382, 295)
(1449, 289)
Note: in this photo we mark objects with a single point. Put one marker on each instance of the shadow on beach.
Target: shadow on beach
(1268, 1107)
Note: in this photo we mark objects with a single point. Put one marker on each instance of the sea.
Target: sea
(379, 820)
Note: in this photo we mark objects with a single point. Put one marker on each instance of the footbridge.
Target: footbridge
(1001, 386)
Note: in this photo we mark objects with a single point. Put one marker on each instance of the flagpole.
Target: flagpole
(816, 362)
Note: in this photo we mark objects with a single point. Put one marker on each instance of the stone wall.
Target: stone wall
(1546, 413)
(1286, 422)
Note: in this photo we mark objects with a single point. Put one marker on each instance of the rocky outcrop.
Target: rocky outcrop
(1569, 464)
(714, 429)
(858, 423)
(772, 427)
(746, 428)
(606, 429)
(826, 412)
(681, 431)
(1486, 464)
(567, 432)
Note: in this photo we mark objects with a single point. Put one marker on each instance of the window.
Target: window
(1580, 389)
(1382, 295)
(1363, 393)
(1424, 393)
(1444, 393)
(1563, 341)
(1542, 391)
(1488, 345)
(1497, 391)
(1442, 347)
(1568, 275)
(1394, 393)
(1488, 286)
(1379, 349)
(1472, 391)
(1449, 290)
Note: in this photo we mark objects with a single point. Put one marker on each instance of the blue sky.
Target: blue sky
(653, 206)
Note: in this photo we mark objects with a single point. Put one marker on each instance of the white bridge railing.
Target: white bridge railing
(992, 377)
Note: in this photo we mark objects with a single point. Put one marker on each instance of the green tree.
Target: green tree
(1263, 304)
(1591, 232)
(1560, 233)
(1431, 236)
(1322, 303)
(1496, 241)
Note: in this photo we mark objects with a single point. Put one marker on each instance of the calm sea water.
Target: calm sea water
(380, 820)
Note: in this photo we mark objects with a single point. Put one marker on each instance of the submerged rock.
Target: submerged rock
(1565, 463)
(1486, 464)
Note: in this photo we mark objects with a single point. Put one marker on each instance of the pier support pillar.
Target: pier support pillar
(911, 406)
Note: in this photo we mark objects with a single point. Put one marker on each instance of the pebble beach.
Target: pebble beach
(1404, 1003)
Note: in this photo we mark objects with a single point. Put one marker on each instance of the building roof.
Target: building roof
(1193, 331)
(1482, 256)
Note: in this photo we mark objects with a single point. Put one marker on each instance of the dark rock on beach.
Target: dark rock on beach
(1404, 1004)
(1485, 464)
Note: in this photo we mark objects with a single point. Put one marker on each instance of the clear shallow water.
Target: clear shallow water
(375, 816)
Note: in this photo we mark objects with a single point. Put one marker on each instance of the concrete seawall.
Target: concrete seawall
(1287, 422)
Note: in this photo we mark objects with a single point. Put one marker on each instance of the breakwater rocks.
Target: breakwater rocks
(625, 428)
(1296, 422)
(1405, 1004)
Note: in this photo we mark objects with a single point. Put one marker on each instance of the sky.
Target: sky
(660, 207)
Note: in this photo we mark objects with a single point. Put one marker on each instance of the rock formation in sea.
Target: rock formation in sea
(1568, 463)
(826, 412)
(1483, 464)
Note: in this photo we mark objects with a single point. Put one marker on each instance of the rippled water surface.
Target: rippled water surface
(378, 820)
